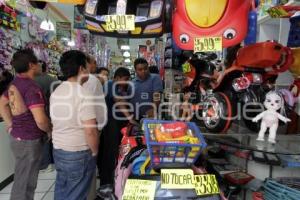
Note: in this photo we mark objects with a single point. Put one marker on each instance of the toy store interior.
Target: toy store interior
(149, 99)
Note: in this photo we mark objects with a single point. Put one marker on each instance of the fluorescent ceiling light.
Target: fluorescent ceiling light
(47, 25)
(125, 47)
(126, 54)
(71, 43)
(127, 60)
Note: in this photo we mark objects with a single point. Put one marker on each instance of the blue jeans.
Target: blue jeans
(75, 171)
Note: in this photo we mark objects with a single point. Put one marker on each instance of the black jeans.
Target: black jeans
(110, 140)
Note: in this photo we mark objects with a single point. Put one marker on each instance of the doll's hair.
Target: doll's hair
(283, 103)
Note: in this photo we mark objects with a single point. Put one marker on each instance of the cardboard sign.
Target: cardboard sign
(277, 12)
(207, 44)
(139, 189)
(120, 22)
(206, 184)
(177, 179)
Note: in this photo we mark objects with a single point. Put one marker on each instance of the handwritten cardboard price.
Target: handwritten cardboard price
(277, 12)
(120, 22)
(207, 44)
(206, 184)
(139, 190)
(177, 179)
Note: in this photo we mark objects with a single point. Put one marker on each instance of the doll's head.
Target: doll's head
(274, 101)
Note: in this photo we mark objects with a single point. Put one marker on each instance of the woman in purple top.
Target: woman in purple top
(22, 107)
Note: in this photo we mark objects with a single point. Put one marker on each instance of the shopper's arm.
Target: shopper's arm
(122, 106)
(41, 119)
(5, 111)
(91, 135)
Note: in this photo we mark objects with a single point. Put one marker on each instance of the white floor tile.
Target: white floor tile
(47, 176)
(49, 196)
(44, 185)
(4, 196)
(39, 196)
(7, 189)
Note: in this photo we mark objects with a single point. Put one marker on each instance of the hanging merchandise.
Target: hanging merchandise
(79, 19)
(8, 18)
(227, 19)
(9, 42)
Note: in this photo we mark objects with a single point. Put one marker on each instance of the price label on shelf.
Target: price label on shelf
(120, 22)
(206, 184)
(207, 44)
(139, 189)
(177, 179)
(277, 12)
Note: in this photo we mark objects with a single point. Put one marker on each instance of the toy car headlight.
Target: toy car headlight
(156, 9)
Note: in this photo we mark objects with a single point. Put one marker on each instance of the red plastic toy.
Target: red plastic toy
(214, 18)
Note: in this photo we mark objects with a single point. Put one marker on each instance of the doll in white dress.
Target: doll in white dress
(270, 117)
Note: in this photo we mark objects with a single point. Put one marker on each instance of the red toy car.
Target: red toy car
(203, 18)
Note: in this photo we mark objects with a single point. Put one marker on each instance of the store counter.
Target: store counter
(6, 156)
(245, 146)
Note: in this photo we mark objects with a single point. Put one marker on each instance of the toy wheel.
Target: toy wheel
(252, 126)
(252, 104)
(217, 113)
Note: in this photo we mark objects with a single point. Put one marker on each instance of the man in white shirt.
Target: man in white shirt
(75, 134)
(94, 86)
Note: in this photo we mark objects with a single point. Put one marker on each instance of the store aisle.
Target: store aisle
(44, 190)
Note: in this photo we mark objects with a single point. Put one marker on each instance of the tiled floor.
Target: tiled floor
(44, 190)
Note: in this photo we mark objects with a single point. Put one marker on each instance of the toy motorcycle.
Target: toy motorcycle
(203, 72)
(243, 84)
(252, 75)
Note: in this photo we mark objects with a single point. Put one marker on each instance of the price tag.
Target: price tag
(277, 12)
(139, 189)
(177, 179)
(207, 44)
(206, 184)
(120, 22)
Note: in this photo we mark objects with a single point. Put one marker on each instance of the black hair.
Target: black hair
(21, 60)
(44, 66)
(153, 69)
(100, 69)
(71, 61)
(122, 72)
(5, 78)
(140, 61)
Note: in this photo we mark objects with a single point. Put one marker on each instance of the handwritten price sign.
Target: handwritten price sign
(206, 184)
(207, 44)
(120, 22)
(139, 189)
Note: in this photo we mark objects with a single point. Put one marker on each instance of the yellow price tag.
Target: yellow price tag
(206, 184)
(139, 189)
(177, 179)
(120, 22)
(207, 44)
(277, 12)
